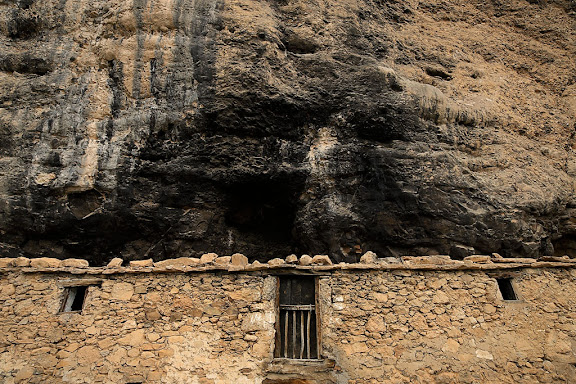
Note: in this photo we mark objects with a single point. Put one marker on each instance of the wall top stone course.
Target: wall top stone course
(233, 264)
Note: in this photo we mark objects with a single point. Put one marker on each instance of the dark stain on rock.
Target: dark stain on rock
(25, 63)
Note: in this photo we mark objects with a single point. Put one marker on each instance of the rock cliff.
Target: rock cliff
(166, 128)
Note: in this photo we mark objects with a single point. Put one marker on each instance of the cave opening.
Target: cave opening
(262, 212)
(565, 245)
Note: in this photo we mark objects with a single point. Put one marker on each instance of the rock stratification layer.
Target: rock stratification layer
(157, 128)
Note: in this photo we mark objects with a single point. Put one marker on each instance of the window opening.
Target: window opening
(506, 289)
(74, 299)
(296, 328)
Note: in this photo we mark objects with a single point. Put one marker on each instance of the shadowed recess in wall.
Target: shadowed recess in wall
(262, 211)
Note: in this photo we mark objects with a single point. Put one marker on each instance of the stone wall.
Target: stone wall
(413, 320)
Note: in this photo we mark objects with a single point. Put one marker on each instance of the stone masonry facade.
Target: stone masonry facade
(213, 321)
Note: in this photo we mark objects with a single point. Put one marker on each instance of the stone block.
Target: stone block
(321, 260)
(223, 260)
(478, 259)
(179, 262)
(141, 263)
(208, 258)
(115, 263)
(45, 262)
(122, 291)
(291, 259)
(305, 260)
(239, 260)
(369, 258)
(75, 263)
(276, 261)
(24, 375)
(6, 262)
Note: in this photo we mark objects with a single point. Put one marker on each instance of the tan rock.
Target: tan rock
(208, 258)
(87, 355)
(115, 263)
(239, 260)
(152, 336)
(7, 290)
(223, 260)
(321, 260)
(21, 262)
(276, 261)
(122, 291)
(305, 260)
(6, 262)
(166, 352)
(141, 263)
(118, 356)
(134, 339)
(75, 263)
(369, 258)
(484, 355)
(451, 346)
(375, 324)
(153, 314)
(24, 374)
(291, 259)
(179, 262)
(45, 262)
(251, 338)
(478, 259)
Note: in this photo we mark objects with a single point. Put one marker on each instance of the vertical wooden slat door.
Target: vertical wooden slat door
(297, 315)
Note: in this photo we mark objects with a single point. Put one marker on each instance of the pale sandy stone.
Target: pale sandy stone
(117, 356)
(141, 263)
(239, 260)
(179, 262)
(451, 346)
(115, 263)
(6, 262)
(321, 260)
(24, 374)
(223, 260)
(7, 290)
(375, 323)
(251, 338)
(208, 258)
(276, 261)
(134, 339)
(122, 291)
(478, 259)
(291, 259)
(481, 354)
(87, 355)
(369, 258)
(75, 263)
(45, 262)
(305, 260)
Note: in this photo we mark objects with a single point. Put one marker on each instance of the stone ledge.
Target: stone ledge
(290, 268)
(305, 264)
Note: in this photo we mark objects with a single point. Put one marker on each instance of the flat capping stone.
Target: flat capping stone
(405, 263)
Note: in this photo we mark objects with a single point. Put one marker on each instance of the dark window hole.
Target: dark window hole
(74, 299)
(506, 289)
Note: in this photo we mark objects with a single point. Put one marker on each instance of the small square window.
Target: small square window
(507, 289)
(74, 299)
(296, 328)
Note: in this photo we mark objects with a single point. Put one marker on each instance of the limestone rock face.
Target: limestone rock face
(157, 129)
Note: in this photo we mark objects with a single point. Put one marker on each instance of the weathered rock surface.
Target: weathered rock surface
(157, 129)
